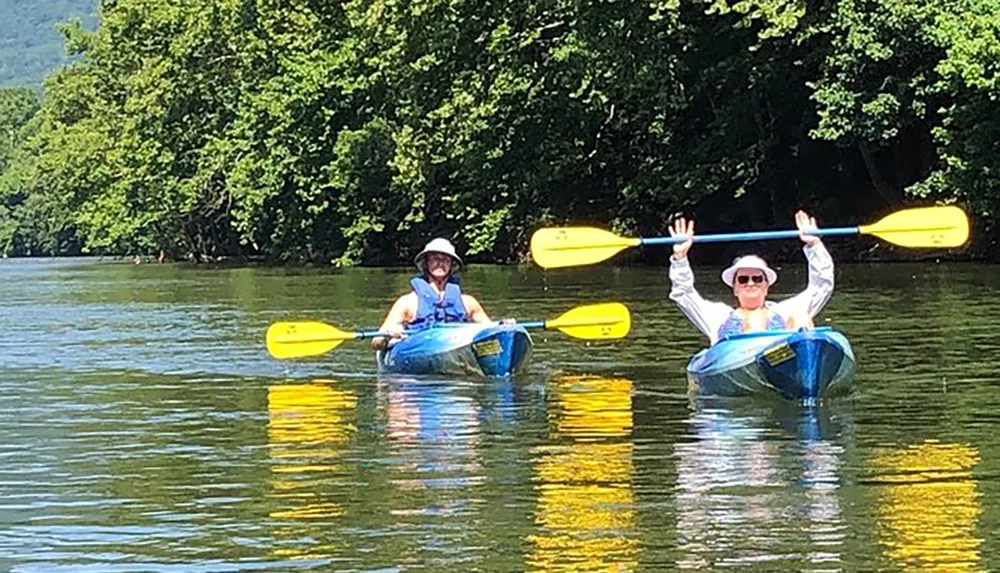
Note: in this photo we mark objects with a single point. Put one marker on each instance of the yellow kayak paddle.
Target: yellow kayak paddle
(605, 321)
(922, 227)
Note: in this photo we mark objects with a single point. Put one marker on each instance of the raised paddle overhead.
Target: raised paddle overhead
(926, 227)
(939, 227)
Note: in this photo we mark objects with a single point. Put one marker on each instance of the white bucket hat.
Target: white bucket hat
(438, 245)
(749, 262)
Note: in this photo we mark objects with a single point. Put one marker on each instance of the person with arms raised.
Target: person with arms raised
(750, 278)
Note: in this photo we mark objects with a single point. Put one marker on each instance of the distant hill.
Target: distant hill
(30, 46)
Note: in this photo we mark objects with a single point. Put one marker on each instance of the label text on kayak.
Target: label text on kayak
(487, 348)
(778, 354)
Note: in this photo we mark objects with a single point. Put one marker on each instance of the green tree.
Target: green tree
(352, 132)
(911, 85)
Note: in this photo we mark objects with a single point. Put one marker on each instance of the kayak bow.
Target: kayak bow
(489, 349)
(794, 364)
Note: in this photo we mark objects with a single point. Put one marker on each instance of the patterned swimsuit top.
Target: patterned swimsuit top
(734, 324)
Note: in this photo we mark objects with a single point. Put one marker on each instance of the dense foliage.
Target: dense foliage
(353, 131)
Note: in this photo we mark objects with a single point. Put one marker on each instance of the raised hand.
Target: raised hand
(806, 225)
(684, 227)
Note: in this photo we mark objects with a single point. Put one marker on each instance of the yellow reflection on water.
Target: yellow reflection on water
(930, 509)
(307, 427)
(586, 506)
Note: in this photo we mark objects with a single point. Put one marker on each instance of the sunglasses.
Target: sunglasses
(744, 279)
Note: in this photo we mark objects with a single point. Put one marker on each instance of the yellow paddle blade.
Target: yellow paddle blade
(300, 339)
(594, 322)
(940, 227)
(556, 247)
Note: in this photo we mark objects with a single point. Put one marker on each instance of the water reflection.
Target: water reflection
(434, 431)
(754, 479)
(586, 505)
(308, 427)
(157, 445)
(929, 509)
(430, 499)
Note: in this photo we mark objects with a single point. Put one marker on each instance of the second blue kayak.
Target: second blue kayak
(481, 349)
(794, 364)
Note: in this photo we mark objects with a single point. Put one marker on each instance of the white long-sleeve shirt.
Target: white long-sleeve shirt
(709, 316)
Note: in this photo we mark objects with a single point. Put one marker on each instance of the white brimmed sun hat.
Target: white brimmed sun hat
(749, 262)
(438, 245)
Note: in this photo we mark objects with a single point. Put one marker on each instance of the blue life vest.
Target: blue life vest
(432, 308)
(734, 324)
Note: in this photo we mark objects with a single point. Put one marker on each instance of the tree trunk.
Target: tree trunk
(886, 191)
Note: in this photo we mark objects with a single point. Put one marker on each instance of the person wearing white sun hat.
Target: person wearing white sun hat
(436, 296)
(750, 278)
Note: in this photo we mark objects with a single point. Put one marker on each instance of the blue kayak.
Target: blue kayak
(794, 364)
(482, 349)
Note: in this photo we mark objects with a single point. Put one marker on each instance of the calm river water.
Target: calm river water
(143, 427)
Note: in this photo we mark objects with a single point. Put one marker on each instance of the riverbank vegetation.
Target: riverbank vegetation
(351, 132)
